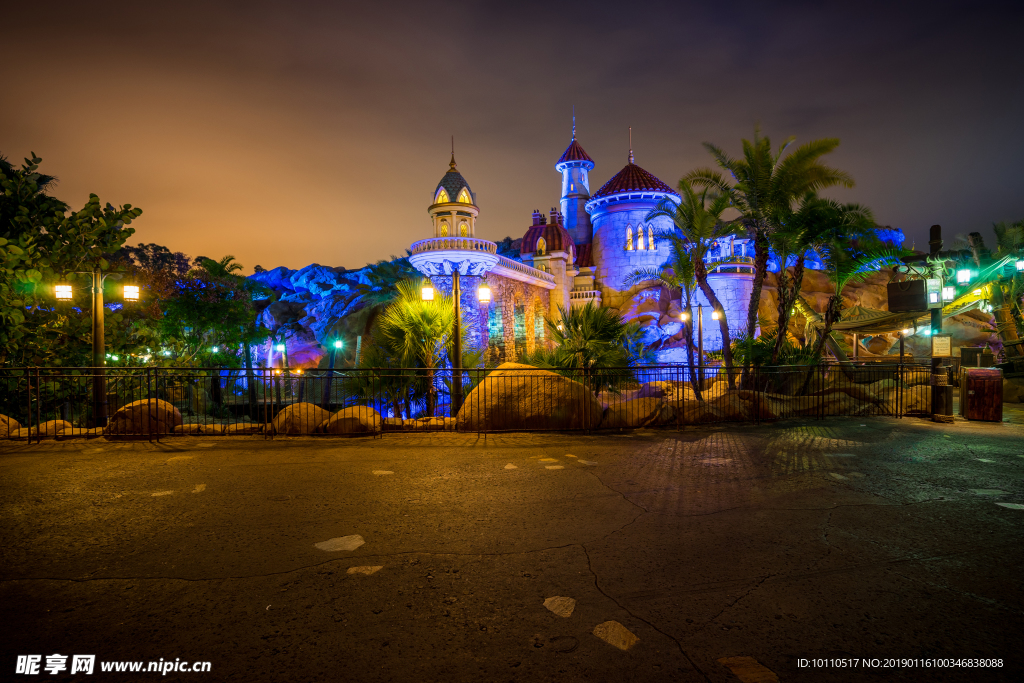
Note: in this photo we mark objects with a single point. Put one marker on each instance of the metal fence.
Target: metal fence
(158, 403)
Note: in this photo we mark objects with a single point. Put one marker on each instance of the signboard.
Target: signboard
(934, 287)
(942, 345)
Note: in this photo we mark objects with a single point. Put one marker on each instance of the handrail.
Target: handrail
(456, 243)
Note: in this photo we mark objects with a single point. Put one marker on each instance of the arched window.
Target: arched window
(463, 230)
(464, 197)
(640, 243)
(542, 247)
(444, 229)
(629, 238)
(650, 237)
(442, 197)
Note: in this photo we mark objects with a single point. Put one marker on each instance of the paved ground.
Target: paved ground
(852, 538)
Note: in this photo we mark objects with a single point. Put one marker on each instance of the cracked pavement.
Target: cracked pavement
(854, 537)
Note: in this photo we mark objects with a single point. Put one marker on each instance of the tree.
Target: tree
(418, 333)
(44, 242)
(817, 221)
(1007, 293)
(766, 186)
(588, 339)
(698, 220)
(678, 273)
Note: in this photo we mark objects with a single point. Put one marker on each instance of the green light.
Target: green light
(337, 344)
(115, 358)
(215, 349)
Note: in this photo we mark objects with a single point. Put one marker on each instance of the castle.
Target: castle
(581, 252)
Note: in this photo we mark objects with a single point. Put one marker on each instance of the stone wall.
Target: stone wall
(612, 261)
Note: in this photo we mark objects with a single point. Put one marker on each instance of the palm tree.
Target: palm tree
(766, 185)
(847, 262)
(223, 268)
(678, 273)
(590, 338)
(698, 222)
(817, 221)
(419, 333)
(1006, 295)
(378, 292)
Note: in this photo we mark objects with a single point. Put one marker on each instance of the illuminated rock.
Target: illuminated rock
(516, 396)
(8, 425)
(354, 420)
(148, 416)
(299, 418)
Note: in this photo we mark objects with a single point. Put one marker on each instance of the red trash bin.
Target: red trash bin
(981, 394)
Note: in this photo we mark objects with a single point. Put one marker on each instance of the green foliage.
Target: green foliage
(589, 338)
(43, 241)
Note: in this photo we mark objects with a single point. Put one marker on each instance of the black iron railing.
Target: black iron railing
(158, 403)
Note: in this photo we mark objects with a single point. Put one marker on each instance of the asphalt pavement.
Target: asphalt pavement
(856, 549)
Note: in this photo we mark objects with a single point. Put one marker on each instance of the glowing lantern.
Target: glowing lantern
(716, 315)
(279, 347)
(63, 291)
(684, 316)
(131, 292)
(963, 276)
(427, 293)
(483, 294)
(948, 293)
(337, 344)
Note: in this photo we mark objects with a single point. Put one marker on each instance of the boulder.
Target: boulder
(277, 278)
(516, 396)
(692, 412)
(299, 418)
(1013, 391)
(49, 428)
(729, 407)
(426, 424)
(354, 420)
(638, 412)
(148, 416)
(393, 424)
(244, 428)
(8, 425)
(317, 279)
(656, 390)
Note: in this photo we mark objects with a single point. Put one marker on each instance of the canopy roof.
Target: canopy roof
(871, 321)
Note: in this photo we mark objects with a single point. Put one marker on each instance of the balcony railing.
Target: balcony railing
(454, 243)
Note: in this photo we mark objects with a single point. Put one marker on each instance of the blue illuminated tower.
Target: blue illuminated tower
(575, 166)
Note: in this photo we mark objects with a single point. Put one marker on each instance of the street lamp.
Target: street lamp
(427, 293)
(63, 291)
(716, 315)
(483, 294)
(325, 399)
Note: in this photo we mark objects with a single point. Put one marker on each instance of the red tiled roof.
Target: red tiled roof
(584, 258)
(574, 153)
(631, 179)
(555, 237)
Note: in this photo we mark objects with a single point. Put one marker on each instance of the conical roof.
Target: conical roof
(453, 182)
(632, 178)
(574, 152)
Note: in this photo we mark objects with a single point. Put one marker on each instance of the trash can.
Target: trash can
(981, 394)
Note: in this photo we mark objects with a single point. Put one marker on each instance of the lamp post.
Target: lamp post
(335, 347)
(63, 291)
(456, 399)
(700, 345)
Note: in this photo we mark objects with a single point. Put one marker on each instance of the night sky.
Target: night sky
(299, 132)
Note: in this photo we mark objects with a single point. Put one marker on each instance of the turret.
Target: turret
(454, 208)
(575, 166)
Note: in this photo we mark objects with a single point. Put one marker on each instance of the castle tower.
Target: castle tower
(624, 239)
(575, 166)
(454, 209)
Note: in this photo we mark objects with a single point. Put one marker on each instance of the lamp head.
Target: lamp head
(716, 315)
(279, 347)
(62, 291)
(427, 293)
(483, 294)
(337, 343)
(684, 316)
(131, 292)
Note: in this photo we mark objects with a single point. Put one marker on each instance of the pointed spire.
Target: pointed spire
(574, 122)
(452, 164)
(630, 145)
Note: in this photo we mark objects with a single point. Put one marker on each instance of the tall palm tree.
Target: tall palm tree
(766, 185)
(678, 273)
(845, 263)
(1007, 293)
(222, 268)
(698, 222)
(817, 221)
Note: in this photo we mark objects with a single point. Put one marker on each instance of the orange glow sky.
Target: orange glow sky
(291, 133)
